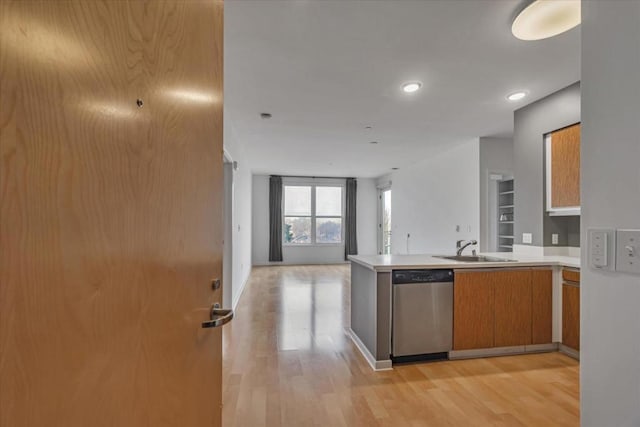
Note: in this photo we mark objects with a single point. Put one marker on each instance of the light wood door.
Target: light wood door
(512, 290)
(473, 312)
(541, 306)
(111, 220)
(565, 167)
(571, 316)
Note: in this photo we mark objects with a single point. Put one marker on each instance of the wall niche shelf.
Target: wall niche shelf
(506, 218)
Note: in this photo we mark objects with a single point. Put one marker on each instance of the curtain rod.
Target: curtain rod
(315, 177)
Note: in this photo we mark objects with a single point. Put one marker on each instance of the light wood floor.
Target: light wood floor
(288, 362)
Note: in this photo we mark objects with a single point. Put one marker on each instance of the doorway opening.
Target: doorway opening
(384, 221)
(227, 254)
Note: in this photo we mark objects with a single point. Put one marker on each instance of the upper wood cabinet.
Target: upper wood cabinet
(563, 171)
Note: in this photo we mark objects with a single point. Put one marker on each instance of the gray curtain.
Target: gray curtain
(275, 218)
(350, 240)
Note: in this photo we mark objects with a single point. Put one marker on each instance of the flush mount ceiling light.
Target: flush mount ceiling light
(411, 87)
(546, 18)
(516, 96)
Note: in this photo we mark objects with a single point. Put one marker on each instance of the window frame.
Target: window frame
(314, 184)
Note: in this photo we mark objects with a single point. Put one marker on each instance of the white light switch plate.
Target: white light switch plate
(628, 251)
(601, 245)
(527, 238)
(554, 239)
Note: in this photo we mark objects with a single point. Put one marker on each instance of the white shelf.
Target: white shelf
(506, 207)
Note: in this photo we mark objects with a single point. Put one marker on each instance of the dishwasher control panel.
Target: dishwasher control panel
(421, 276)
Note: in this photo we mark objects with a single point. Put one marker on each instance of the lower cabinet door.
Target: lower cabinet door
(571, 316)
(473, 315)
(541, 307)
(512, 307)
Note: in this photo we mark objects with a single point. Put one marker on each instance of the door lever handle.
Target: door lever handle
(219, 316)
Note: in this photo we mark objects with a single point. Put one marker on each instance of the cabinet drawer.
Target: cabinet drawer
(571, 275)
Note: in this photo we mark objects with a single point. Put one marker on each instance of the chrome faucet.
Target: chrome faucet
(460, 247)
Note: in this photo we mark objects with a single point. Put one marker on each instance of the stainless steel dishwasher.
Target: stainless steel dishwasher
(422, 318)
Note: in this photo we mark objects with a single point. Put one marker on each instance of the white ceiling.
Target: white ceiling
(326, 69)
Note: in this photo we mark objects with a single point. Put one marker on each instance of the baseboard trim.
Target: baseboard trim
(376, 365)
(234, 303)
(293, 264)
(542, 348)
(569, 351)
(502, 351)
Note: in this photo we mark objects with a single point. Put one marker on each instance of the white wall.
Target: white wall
(227, 256)
(367, 216)
(496, 156)
(610, 155)
(366, 221)
(429, 198)
(241, 221)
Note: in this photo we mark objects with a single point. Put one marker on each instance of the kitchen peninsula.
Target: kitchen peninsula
(499, 307)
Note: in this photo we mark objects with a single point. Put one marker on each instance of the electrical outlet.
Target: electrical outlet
(554, 239)
(527, 238)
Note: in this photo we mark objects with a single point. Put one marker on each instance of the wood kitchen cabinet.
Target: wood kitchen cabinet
(473, 313)
(512, 307)
(541, 306)
(501, 308)
(563, 170)
(571, 312)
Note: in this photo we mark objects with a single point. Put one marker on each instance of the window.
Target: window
(312, 214)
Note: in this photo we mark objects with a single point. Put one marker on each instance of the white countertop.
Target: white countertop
(391, 262)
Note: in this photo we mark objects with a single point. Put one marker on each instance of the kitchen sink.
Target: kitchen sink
(473, 258)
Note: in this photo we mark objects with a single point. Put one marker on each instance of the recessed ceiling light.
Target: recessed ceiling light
(395, 169)
(367, 127)
(546, 18)
(516, 96)
(373, 142)
(265, 115)
(411, 87)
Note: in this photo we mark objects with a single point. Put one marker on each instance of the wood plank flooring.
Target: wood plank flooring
(289, 362)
